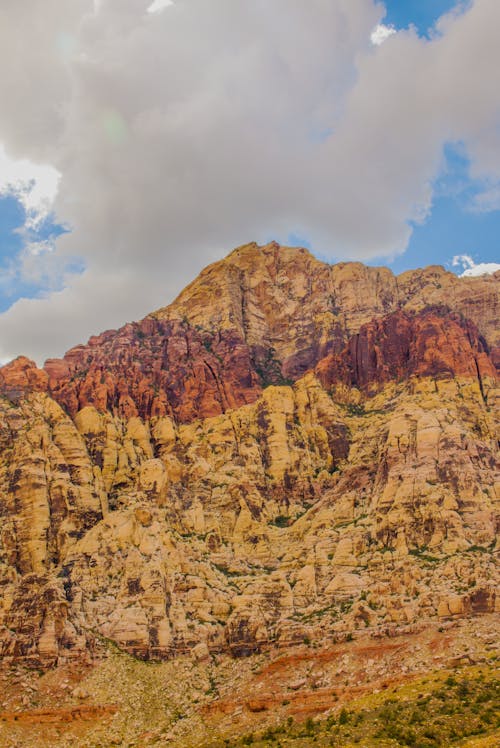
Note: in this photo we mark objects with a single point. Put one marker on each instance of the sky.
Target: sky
(141, 140)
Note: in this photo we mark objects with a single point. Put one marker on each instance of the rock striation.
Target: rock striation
(264, 315)
(290, 451)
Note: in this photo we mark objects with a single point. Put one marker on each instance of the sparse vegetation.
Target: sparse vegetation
(449, 714)
(355, 410)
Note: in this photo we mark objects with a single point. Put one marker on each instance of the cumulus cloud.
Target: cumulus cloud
(178, 135)
(470, 268)
(381, 33)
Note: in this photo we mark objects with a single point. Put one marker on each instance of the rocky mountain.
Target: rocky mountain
(290, 452)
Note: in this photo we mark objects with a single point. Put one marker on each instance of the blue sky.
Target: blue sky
(25, 253)
(453, 227)
(12, 218)
(420, 13)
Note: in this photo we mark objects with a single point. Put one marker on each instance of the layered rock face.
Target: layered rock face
(264, 315)
(289, 451)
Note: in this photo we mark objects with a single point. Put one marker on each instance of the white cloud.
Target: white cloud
(471, 268)
(381, 33)
(34, 185)
(179, 139)
(487, 200)
(159, 5)
(482, 268)
(464, 261)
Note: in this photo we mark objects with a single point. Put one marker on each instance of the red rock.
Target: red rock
(432, 343)
(156, 368)
(22, 376)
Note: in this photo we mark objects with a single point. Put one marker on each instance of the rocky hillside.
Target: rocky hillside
(290, 452)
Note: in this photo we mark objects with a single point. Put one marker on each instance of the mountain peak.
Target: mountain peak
(262, 315)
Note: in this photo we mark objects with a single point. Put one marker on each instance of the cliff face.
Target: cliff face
(264, 315)
(289, 451)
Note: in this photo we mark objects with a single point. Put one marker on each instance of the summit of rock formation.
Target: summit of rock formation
(289, 452)
(264, 315)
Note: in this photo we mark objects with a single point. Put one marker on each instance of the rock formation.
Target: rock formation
(290, 451)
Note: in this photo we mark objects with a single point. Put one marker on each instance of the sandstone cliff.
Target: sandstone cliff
(290, 451)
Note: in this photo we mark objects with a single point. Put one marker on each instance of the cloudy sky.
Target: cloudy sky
(140, 140)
